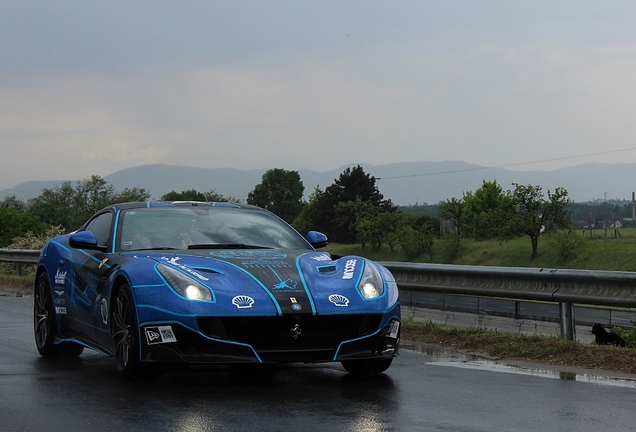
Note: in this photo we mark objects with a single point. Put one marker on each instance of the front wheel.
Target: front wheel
(124, 332)
(367, 366)
(44, 326)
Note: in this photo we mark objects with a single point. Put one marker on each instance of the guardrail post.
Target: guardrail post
(18, 269)
(566, 318)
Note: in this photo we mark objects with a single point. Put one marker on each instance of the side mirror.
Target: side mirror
(85, 240)
(317, 239)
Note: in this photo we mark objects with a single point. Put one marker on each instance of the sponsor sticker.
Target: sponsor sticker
(243, 302)
(175, 262)
(263, 263)
(321, 257)
(287, 284)
(249, 254)
(350, 267)
(60, 277)
(60, 310)
(394, 327)
(159, 334)
(294, 304)
(339, 300)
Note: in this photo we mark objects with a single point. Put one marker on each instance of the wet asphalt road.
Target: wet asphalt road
(420, 392)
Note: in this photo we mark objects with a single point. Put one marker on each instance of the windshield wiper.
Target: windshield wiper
(226, 246)
(158, 248)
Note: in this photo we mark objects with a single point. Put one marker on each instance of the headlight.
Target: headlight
(184, 285)
(371, 285)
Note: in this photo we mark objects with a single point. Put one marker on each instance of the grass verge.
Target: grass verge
(537, 349)
(17, 283)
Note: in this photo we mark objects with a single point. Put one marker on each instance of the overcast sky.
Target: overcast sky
(92, 87)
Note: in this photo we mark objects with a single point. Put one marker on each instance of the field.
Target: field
(598, 250)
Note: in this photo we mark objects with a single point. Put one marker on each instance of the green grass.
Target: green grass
(16, 284)
(508, 346)
(600, 252)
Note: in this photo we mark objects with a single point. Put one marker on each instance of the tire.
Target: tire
(124, 333)
(367, 367)
(44, 326)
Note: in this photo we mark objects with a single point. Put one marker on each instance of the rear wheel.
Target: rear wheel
(367, 366)
(44, 326)
(124, 332)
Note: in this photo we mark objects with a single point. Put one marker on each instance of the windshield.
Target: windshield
(201, 227)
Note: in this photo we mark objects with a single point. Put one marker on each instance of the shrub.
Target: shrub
(30, 241)
(568, 244)
(451, 247)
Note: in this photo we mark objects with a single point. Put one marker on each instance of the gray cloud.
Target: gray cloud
(91, 88)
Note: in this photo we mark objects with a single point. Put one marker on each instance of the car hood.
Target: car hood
(290, 281)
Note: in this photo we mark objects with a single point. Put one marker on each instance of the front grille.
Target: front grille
(277, 333)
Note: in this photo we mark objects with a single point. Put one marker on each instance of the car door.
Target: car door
(90, 268)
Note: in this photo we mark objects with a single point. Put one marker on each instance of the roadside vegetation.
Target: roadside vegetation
(592, 250)
(490, 226)
(535, 349)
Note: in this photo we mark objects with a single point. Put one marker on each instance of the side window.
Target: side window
(100, 226)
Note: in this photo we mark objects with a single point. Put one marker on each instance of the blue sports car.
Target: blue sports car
(205, 283)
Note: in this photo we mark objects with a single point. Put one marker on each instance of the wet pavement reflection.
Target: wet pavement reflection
(450, 358)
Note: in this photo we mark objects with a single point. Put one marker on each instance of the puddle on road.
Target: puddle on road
(448, 358)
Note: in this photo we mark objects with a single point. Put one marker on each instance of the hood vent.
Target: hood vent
(327, 269)
(205, 270)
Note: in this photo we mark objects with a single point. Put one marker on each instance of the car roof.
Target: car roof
(147, 204)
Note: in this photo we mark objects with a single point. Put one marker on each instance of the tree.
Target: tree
(195, 195)
(281, 192)
(305, 220)
(55, 207)
(13, 202)
(351, 185)
(186, 195)
(487, 211)
(91, 195)
(214, 196)
(535, 215)
(417, 238)
(453, 210)
(131, 195)
(14, 223)
(361, 218)
(70, 206)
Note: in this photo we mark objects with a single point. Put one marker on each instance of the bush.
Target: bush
(451, 247)
(568, 244)
(417, 242)
(628, 335)
(30, 241)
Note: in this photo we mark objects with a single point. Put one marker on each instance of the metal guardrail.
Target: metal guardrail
(19, 257)
(600, 288)
(566, 287)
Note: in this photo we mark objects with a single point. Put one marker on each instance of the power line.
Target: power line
(505, 165)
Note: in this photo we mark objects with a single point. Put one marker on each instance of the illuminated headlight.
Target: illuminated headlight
(371, 285)
(184, 285)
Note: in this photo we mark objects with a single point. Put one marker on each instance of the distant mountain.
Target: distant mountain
(403, 183)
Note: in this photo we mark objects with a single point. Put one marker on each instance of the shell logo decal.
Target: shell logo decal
(243, 301)
(339, 300)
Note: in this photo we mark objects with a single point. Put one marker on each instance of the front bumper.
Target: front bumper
(281, 339)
